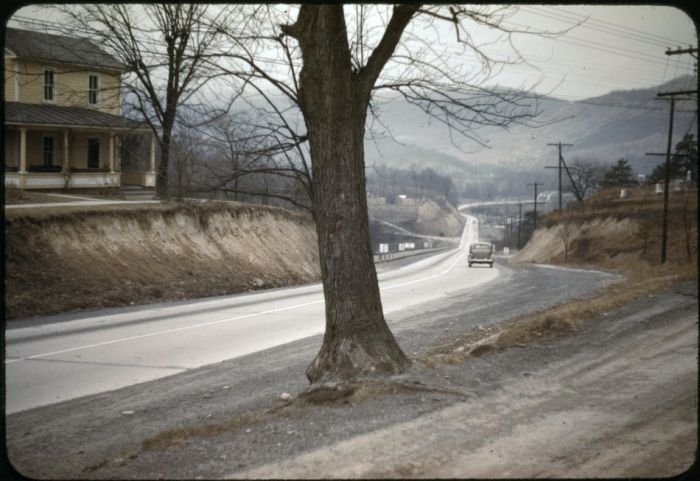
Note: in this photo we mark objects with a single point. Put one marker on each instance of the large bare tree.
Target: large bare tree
(329, 62)
(165, 49)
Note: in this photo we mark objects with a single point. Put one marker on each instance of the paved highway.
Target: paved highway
(63, 357)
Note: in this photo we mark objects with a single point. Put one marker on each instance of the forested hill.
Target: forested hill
(622, 124)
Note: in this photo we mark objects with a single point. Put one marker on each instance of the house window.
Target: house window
(48, 151)
(93, 89)
(49, 85)
(93, 154)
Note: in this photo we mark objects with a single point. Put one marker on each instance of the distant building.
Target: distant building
(63, 123)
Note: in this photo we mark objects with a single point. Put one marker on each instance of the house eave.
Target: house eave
(81, 66)
(30, 125)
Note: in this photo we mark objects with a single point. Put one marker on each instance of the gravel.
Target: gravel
(244, 417)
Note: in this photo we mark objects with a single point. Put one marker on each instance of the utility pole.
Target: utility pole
(667, 181)
(510, 228)
(679, 51)
(520, 221)
(559, 145)
(578, 194)
(669, 143)
(535, 184)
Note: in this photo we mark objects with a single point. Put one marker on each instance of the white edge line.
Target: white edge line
(219, 321)
(167, 331)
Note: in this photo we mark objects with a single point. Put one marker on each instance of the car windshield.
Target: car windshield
(481, 248)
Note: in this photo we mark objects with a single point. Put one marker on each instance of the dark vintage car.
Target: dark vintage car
(481, 253)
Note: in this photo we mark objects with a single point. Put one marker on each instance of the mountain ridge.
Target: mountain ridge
(620, 124)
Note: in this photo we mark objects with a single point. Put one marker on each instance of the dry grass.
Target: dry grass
(295, 406)
(181, 434)
(339, 395)
(559, 320)
(609, 232)
(46, 212)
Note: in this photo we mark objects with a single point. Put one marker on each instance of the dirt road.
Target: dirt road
(617, 398)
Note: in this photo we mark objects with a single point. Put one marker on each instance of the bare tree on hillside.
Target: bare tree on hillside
(587, 176)
(329, 62)
(164, 48)
(187, 157)
(566, 231)
(253, 159)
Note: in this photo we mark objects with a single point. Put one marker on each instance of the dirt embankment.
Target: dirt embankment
(425, 217)
(622, 234)
(81, 260)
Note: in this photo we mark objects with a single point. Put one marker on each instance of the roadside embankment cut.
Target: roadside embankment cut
(75, 260)
(618, 233)
(424, 217)
(605, 232)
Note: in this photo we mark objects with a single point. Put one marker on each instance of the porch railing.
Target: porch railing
(74, 180)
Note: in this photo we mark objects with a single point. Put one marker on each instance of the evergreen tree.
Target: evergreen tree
(619, 175)
(684, 159)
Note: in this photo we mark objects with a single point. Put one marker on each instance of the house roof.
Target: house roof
(53, 115)
(58, 48)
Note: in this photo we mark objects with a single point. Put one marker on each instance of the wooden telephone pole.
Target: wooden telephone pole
(669, 144)
(534, 202)
(563, 167)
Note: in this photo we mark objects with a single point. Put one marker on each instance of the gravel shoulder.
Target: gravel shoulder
(616, 398)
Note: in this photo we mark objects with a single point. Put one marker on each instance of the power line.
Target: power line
(604, 26)
(611, 79)
(585, 43)
(590, 44)
(280, 62)
(601, 47)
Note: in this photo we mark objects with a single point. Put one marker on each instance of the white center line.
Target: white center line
(219, 321)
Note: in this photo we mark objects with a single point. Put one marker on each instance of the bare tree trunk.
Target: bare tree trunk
(357, 340)
(162, 168)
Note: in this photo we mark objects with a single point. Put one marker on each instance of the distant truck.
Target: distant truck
(481, 253)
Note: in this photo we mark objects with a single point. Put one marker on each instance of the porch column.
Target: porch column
(66, 160)
(111, 153)
(153, 153)
(118, 153)
(22, 151)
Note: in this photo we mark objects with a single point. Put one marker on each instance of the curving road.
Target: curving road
(53, 359)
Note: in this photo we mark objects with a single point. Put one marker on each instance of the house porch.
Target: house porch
(69, 158)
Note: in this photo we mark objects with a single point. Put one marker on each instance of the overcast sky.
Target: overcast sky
(615, 48)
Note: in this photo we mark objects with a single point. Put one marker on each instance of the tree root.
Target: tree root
(360, 389)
